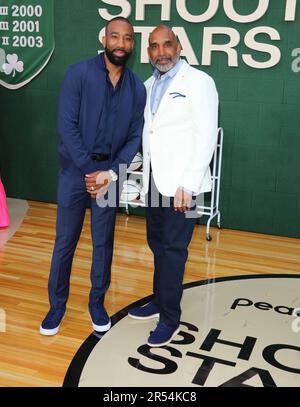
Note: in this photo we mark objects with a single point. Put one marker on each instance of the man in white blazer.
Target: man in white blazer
(179, 138)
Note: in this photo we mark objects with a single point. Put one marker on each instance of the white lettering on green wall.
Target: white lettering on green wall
(210, 46)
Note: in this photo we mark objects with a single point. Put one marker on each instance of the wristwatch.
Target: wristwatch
(113, 175)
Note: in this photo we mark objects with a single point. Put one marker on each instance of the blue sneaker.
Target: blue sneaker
(51, 323)
(162, 335)
(100, 319)
(148, 311)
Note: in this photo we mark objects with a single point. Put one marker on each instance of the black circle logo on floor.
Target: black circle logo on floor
(235, 332)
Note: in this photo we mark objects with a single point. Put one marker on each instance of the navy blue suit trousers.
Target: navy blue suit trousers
(169, 234)
(73, 200)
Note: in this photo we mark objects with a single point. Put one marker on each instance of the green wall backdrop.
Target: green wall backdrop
(259, 111)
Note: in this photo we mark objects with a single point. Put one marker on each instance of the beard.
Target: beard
(115, 60)
(165, 67)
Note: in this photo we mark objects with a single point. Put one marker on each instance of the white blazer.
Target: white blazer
(181, 138)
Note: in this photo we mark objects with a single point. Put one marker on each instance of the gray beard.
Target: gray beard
(166, 68)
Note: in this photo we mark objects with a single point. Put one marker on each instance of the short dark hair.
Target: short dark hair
(119, 18)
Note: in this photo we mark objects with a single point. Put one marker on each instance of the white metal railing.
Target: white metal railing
(212, 210)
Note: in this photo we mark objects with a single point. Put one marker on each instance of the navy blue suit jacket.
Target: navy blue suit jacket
(81, 101)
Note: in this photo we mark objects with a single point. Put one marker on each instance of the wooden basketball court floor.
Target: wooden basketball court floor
(29, 359)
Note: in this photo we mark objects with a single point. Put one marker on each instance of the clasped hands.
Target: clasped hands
(97, 183)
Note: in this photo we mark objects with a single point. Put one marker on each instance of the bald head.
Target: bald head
(164, 48)
(163, 29)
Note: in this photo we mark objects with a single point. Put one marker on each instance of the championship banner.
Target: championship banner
(26, 40)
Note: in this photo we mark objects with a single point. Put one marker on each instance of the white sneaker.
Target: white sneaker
(102, 328)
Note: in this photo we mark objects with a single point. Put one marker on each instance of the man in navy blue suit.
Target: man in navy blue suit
(100, 123)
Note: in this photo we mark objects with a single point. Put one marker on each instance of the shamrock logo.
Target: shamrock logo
(13, 65)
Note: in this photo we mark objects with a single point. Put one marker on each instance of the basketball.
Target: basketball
(136, 163)
(131, 190)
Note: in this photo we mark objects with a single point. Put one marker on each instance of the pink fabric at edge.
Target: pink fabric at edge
(4, 216)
